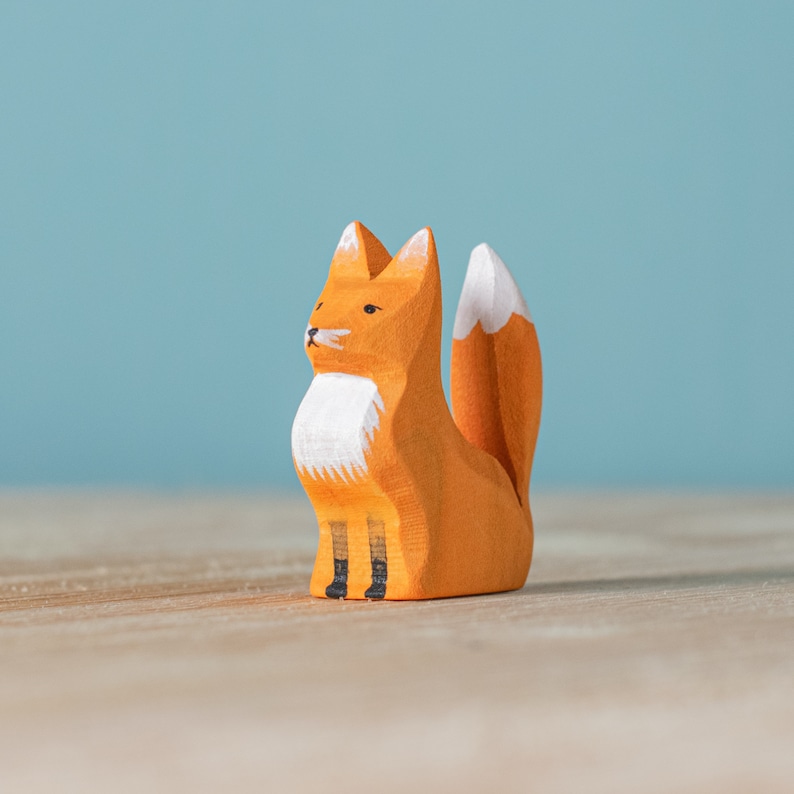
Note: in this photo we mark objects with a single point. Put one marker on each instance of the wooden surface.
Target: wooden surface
(154, 643)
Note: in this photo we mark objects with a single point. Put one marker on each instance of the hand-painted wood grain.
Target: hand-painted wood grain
(374, 442)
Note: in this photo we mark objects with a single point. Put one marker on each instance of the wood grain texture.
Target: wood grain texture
(411, 503)
(161, 643)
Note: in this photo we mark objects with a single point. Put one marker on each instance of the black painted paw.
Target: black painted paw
(336, 590)
(377, 590)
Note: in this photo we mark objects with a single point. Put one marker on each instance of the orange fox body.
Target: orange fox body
(411, 504)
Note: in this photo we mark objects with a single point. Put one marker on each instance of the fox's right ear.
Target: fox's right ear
(359, 254)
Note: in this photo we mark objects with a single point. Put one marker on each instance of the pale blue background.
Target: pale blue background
(174, 177)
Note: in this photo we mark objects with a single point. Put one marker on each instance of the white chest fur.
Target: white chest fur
(335, 425)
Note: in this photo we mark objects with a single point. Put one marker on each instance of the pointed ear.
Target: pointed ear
(416, 257)
(359, 254)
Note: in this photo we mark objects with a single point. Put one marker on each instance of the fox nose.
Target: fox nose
(313, 332)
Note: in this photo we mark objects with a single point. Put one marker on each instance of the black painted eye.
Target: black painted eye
(318, 306)
(370, 309)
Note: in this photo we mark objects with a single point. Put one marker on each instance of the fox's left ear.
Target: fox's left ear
(415, 258)
(359, 253)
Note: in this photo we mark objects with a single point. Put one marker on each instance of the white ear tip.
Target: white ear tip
(349, 238)
(417, 245)
(490, 294)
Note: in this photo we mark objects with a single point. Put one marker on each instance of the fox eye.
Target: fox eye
(318, 306)
(370, 309)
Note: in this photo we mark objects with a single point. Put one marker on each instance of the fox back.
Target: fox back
(411, 504)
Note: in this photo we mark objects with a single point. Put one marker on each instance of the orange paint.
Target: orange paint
(410, 504)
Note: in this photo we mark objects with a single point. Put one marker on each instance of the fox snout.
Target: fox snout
(328, 337)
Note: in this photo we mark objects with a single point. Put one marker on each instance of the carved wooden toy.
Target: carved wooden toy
(410, 502)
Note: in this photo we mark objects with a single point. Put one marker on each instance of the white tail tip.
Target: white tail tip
(490, 295)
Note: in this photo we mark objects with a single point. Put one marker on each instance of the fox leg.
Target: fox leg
(338, 588)
(377, 552)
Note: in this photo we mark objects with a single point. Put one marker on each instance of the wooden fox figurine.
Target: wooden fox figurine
(411, 503)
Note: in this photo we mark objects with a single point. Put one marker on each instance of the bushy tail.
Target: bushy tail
(496, 370)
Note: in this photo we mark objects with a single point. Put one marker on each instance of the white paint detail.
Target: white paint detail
(335, 426)
(349, 238)
(414, 253)
(490, 295)
(326, 336)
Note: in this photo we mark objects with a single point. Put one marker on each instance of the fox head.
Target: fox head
(376, 313)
